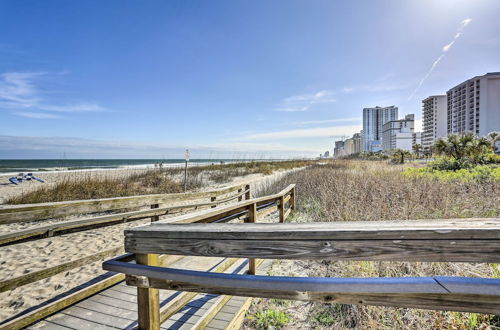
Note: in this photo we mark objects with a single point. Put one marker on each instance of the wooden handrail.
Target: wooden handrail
(456, 240)
(451, 240)
(148, 304)
(29, 212)
(83, 224)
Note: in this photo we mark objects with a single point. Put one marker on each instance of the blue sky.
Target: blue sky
(224, 78)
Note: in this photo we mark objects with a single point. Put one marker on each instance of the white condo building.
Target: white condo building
(474, 105)
(398, 134)
(373, 120)
(434, 114)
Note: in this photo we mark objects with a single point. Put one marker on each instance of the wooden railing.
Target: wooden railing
(159, 205)
(250, 211)
(155, 203)
(456, 240)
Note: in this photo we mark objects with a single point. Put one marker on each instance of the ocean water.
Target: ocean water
(15, 166)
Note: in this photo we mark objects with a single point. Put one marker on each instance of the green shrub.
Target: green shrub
(481, 173)
(272, 318)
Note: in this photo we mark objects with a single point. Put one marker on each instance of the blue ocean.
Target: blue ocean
(39, 165)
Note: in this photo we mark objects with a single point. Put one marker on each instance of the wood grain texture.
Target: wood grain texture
(148, 299)
(375, 250)
(59, 228)
(210, 215)
(436, 301)
(28, 212)
(482, 228)
(281, 208)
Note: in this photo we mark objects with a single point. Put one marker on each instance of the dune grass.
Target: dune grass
(155, 181)
(367, 190)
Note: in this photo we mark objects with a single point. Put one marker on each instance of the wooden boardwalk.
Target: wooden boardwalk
(116, 307)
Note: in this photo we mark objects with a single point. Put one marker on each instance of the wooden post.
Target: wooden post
(212, 199)
(155, 217)
(185, 176)
(282, 209)
(241, 197)
(148, 300)
(247, 194)
(292, 200)
(252, 218)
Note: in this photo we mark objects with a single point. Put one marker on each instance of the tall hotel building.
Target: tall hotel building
(373, 120)
(434, 114)
(474, 105)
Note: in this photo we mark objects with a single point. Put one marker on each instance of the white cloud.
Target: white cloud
(19, 91)
(444, 50)
(313, 122)
(37, 115)
(305, 133)
(46, 147)
(303, 102)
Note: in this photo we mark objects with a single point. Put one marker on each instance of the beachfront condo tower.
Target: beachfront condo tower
(434, 114)
(373, 120)
(474, 105)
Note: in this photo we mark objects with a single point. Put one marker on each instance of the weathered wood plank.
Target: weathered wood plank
(28, 212)
(109, 309)
(481, 228)
(78, 323)
(281, 208)
(267, 211)
(49, 326)
(378, 250)
(97, 317)
(175, 305)
(16, 282)
(148, 299)
(252, 218)
(57, 305)
(107, 220)
(287, 213)
(211, 312)
(211, 215)
(427, 300)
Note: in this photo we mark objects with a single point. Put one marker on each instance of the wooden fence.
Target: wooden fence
(158, 204)
(456, 240)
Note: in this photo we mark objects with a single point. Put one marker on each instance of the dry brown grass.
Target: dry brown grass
(358, 190)
(157, 181)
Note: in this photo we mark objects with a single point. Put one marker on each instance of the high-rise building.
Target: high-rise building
(434, 114)
(474, 105)
(338, 151)
(349, 146)
(373, 120)
(398, 134)
(417, 138)
(357, 143)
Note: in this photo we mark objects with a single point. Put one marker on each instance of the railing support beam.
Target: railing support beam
(252, 218)
(247, 194)
(148, 300)
(292, 200)
(282, 209)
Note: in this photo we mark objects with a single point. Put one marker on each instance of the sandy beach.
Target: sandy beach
(27, 257)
